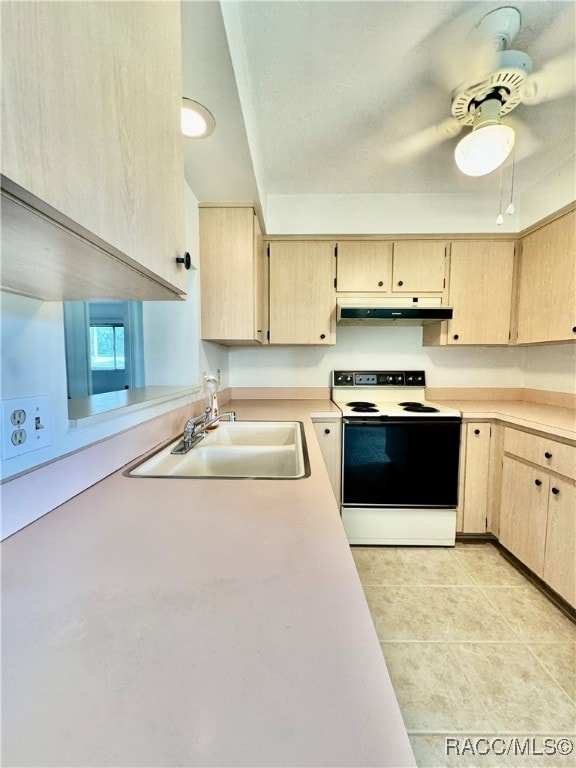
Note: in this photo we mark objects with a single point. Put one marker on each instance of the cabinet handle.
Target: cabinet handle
(400, 282)
(548, 455)
(326, 431)
(456, 336)
(574, 329)
(537, 482)
(186, 260)
(476, 431)
(322, 335)
(555, 491)
(380, 283)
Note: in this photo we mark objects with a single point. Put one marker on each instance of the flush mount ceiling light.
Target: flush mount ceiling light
(489, 144)
(196, 121)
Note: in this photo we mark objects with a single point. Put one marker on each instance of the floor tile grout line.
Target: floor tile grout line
(570, 698)
(547, 601)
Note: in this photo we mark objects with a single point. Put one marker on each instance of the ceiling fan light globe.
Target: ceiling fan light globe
(484, 150)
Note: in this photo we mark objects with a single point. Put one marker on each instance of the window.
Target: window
(107, 348)
(104, 347)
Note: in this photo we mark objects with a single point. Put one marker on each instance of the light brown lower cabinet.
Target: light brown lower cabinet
(560, 554)
(329, 434)
(538, 509)
(524, 512)
(474, 477)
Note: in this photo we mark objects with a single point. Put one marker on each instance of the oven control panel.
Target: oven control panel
(378, 379)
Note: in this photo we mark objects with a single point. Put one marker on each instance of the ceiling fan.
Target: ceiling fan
(494, 80)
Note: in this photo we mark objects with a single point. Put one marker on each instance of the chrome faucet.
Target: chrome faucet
(195, 429)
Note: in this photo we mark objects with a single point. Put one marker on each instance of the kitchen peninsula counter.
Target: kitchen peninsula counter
(156, 622)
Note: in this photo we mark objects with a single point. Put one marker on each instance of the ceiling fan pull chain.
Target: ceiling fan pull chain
(500, 218)
(511, 207)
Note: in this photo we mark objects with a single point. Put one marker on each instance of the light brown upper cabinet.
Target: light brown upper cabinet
(547, 284)
(413, 267)
(419, 266)
(92, 159)
(302, 296)
(364, 265)
(480, 292)
(233, 276)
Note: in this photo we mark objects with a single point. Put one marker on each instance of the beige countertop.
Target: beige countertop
(154, 622)
(549, 419)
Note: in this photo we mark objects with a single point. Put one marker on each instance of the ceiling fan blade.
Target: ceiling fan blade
(469, 66)
(525, 143)
(420, 142)
(556, 79)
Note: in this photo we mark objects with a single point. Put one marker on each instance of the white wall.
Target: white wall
(385, 214)
(33, 360)
(419, 213)
(548, 367)
(553, 191)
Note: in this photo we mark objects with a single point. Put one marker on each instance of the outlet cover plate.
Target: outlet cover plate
(36, 425)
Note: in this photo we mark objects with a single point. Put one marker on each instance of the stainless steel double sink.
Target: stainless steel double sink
(271, 450)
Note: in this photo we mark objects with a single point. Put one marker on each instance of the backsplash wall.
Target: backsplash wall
(550, 367)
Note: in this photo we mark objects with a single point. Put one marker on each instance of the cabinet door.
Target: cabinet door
(560, 556)
(329, 434)
(547, 286)
(480, 292)
(364, 266)
(90, 121)
(302, 296)
(261, 284)
(523, 512)
(231, 279)
(419, 266)
(476, 475)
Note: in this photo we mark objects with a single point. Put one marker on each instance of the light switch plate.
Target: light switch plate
(25, 425)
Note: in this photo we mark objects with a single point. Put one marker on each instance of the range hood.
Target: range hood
(391, 311)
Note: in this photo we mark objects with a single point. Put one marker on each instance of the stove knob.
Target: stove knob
(343, 378)
(389, 379)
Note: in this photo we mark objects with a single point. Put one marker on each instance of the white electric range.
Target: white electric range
(400, 459)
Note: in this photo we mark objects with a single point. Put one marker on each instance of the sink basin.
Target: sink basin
(258, 449)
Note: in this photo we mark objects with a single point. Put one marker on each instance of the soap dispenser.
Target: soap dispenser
(212, 387)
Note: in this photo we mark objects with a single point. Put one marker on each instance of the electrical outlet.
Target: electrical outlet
(25, 425)
(18, 437)
(18, 417)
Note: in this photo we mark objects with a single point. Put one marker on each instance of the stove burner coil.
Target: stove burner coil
(360, 404)
(419, 408)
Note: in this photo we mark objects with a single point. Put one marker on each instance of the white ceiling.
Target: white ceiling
(309, 95)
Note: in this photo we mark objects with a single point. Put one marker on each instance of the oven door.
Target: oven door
(400, 462)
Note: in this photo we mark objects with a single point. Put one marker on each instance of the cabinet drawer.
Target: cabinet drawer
(555, 456)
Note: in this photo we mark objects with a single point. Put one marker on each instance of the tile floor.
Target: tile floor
(481, 661)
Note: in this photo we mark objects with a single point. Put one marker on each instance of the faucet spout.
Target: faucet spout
(195, 430)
